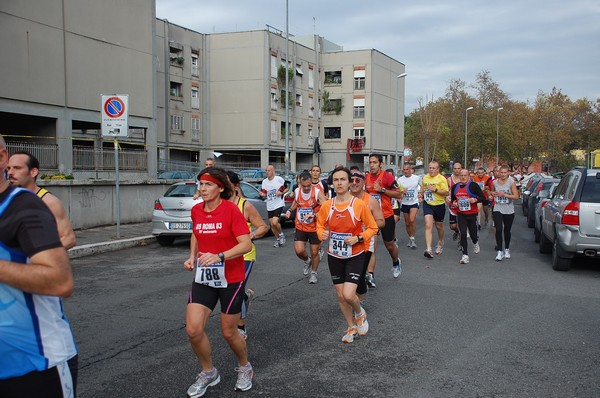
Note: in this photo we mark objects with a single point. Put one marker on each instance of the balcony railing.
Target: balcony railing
(88, 158)
(46, 154)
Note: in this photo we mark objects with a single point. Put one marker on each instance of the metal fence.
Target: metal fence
(87, 158)
(46, 154)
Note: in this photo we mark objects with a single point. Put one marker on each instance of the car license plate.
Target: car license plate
(180, 225)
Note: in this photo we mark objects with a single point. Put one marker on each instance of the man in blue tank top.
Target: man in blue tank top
(38, 355)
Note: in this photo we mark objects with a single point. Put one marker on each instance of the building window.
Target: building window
(175, 90)
(332, 133)
(359, 108)
(299, 99)
(273, 130)
(195, 129)
(274, 66)
(311, 107)
(176, 54)
(195, 65)
(177, 122)
(311, 77)
(195, 98)
(359, 132)
(273, 99)
(333, 77)
(359, 79)
(298, 130)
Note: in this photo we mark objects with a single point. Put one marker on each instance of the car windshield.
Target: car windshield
(591, 190)
(249, 192)
(181, 191)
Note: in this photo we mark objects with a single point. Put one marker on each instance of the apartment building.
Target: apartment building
(190, 94)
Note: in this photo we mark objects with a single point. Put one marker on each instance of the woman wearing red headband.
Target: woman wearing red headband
(219, 240)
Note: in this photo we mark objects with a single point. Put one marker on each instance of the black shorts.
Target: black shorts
(275, 213)
(406, 208)
(397, 211)
(231, 297)
(388, 233)
(438, 212)
(362, 283)
(451, 218)
(310, 237)
(346, 269)
(56, 382)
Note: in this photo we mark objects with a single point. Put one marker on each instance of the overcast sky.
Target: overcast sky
(526, 45)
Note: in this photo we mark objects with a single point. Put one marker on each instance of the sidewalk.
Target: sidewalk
(104, 239)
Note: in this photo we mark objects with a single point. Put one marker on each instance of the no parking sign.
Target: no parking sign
(115, 111)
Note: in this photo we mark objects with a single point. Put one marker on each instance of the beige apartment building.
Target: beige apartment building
(191, 95)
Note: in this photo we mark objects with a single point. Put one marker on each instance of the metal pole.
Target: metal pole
(287, 83)
(117, 195)
(398, 118)
(466, 133)
(497, 132)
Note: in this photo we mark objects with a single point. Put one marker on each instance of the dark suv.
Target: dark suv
(571, 219)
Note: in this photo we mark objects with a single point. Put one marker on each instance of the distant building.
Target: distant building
(190, 94)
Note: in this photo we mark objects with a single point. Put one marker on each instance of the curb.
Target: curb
(104, 247)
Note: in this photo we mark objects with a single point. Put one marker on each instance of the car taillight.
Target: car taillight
(544, 204)
(571, 214)
(157, 205)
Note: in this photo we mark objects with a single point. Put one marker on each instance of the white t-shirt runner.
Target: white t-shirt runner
(411, 186)
(270, 187)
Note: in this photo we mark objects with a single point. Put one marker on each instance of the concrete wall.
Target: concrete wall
(92, 203)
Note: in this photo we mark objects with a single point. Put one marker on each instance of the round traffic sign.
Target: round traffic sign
(114, 107)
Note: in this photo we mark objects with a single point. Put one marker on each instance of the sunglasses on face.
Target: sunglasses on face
(356, 180)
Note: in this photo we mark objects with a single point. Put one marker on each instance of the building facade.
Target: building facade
(191, 95)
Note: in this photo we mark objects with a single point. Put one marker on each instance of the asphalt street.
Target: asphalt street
(514, 328)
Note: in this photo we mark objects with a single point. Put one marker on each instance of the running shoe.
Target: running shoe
(499, 256)
(439, 249)
(243, 332)
(277, 243)
(464, 259)
(411, 243)
(370, 280)
(428, 253)
(205, 379)
(362, 325)
(351, 332)
(476, 248)
(282, 239)
(397, 269)
(313, 278)
(306, 269)
(507, 253)
(455, 235)
(244, 379)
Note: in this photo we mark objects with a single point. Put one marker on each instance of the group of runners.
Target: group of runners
(346, 213)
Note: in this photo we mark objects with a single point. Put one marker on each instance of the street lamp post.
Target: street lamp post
(398, 116)
(497, 132)
(466, 133)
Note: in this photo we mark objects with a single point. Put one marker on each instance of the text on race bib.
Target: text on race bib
(212, 275)
(337, 246)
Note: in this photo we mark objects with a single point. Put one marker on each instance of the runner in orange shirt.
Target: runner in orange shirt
(482, 179)
(348, 224)
(382, 186)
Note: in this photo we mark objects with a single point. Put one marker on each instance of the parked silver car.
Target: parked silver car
(571, 219)
(172, 217)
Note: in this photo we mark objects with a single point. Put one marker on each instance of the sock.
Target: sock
(396, 263)
(242, 327)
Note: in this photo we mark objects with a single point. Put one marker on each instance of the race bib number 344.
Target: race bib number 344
(212, 275)
(337, 246)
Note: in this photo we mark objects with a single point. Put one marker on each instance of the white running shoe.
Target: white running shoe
(321, 253)
(397, 269)
(313, 278)
(499, 256)
(282, 239)
(507, 253)
(204, 380)
(350, 334)
(362, 325)
(306, 269)
(244, 379)
(464, 259)
(439, 249)
(476, 248)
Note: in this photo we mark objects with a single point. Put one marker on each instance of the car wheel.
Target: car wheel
(536, 234)
(545, 244)
(165, 240)
(530, 221)
(559, 263)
